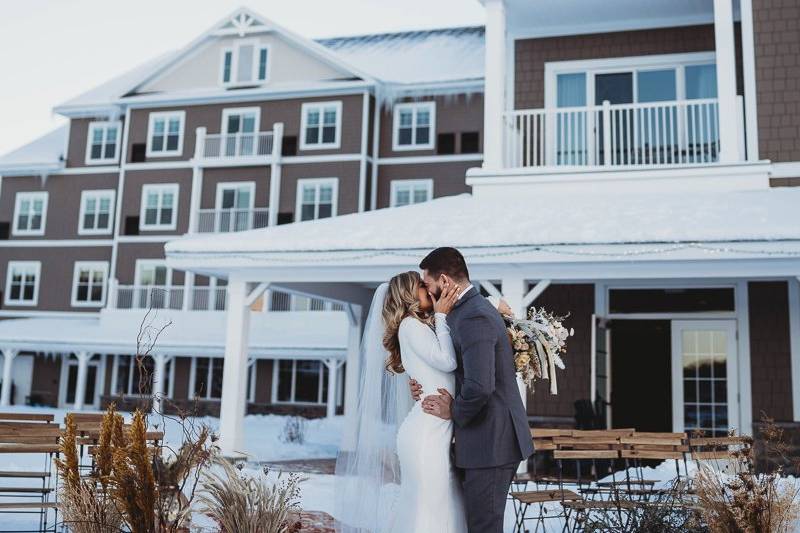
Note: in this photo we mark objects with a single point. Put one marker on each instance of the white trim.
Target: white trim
(415, 160)
(37, 268)
(234, 50)
(228, 111)
(328, 158)
(785, 170)
(144, 238)
(104, 125)
(31, 196)
(160, 188)
(316, 182)
(112, 169)
(749, 78)
(414, 107)
(395, 185)
(55, 243)
(794, 342)
(305, 108)
(166, 115)
(77, 315)
(158, 165)
(99, 194)
(92, 266)
(362, 169)
(120, 190)
(742, 296)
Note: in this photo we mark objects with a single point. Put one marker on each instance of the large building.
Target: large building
(629, 163)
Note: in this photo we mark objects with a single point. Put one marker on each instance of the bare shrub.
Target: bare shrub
(294, 430)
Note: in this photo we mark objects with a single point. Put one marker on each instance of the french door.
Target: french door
(704, 376)
(234, 206)
(240, 127)
(91, 396)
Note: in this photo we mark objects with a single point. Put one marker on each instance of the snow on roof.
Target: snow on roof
(192, 332)
(416, 57)
(552, 219)
(46, 151)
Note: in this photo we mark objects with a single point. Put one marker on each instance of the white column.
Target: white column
(749, 75)
(158, 382)
(234, 379)
(275, 174)
(495, 83)
(729, 129)
(8, 366)
(80, 383)
(353, 358)
(794, 342)
(514, 289)
(333, 371)
(113, 289)
(197, 179)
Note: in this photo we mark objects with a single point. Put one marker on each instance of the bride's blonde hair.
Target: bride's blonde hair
(402, 300)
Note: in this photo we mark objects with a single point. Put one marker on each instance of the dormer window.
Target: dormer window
(245, 63)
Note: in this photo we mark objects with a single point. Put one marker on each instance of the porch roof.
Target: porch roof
(550, 233)
(285, 335)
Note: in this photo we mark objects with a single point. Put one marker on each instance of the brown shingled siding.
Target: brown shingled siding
(770, 353)
(777, 48)
(448, 178)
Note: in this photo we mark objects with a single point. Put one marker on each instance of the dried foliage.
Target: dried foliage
(734, 498)
(239, 503)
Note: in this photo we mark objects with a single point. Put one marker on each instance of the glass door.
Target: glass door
(616, 88)
(234, 206)
(240, 127)
(152, 282)
(90, 397)
(601, 369)
(704, 376)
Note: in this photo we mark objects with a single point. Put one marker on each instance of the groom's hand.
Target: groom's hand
(416, 389)
(438, 404)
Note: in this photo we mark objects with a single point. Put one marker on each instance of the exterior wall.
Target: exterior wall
(777, 45)
(770, 352)
(348, 173)
(132, 196)
(448, 178)
(63, 201)
(578, 302)
(55, 283)
(784, 182)
(78, 137)
(454, 114)
(129, 252)
(214, 176)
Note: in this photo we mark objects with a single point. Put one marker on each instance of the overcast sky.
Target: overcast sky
(52, 50)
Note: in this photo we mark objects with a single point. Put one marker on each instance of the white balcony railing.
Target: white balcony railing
(237, 145)
(228, 220)
(623, 135)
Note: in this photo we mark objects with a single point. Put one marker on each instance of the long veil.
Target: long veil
(367, 468)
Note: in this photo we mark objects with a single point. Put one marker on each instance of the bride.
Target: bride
(394, 473)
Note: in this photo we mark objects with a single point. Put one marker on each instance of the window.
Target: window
(406, 192)
(159, 207)
(132, 378)
(165, 134)
(30, 213)
(234, 210)
(245, 63)
(239, 126)
(102, 143)
(97, 209)
(89, 284)
(320, 125)
(300, 382)
(414, 125)
(207, 382)
(316, 198)
(22, 282)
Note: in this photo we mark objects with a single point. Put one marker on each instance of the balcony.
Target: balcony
(230, 220)
(228, 149)
(625, 136)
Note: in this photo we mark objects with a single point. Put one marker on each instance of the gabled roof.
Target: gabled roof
(44, 153)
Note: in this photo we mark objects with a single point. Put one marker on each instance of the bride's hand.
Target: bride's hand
(447, 299)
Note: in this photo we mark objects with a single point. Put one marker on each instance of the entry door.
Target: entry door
(242, 123)
(234, 204)
(92, 396)
(617, 88)
(601, 368)
(704, 376)
(153, 285)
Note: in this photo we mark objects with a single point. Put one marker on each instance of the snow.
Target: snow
(47, 150)
(553, 219)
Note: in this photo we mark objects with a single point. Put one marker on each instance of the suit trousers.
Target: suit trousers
(485, 493)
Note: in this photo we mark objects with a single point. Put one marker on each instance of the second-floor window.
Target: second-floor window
(89, 283)
(407, 192)
(247, 62)
(316, 198)
(414, 126)
(320, 125)
(165, 134)
(97, 209)
(22, 282)
(30, 213)
(102, 144)
(159, 209)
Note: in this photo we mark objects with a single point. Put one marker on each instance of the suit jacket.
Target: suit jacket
(490, 423)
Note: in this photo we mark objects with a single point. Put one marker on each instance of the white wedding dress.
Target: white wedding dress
(430, 498)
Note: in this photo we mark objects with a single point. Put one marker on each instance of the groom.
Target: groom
(490, 424)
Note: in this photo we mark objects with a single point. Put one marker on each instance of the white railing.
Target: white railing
(227, 220)
(148, 297)
(627, 135)
(233, 145)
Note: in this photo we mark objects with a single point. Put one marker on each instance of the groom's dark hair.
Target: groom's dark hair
(447, 261)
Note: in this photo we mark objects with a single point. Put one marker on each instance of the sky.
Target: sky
(52, 50)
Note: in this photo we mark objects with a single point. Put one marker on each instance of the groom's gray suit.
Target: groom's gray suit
(491, 426)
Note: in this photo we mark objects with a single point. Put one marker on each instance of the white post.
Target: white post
(353, 358)
(495, 83)
(234, 379)
(113, 290)
(158, 382)
(275, 174)
(729, 129)
(8, 365)
(606, 133)
(197, 180)
(514, 290)
(188, 289)
(749, 75)
(80, 383)
(333, 370)
(794, 343)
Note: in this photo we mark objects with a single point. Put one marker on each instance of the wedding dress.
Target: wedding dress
(430, 493)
